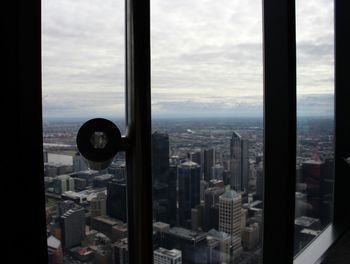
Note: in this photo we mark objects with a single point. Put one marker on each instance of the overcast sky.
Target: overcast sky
(206, 58)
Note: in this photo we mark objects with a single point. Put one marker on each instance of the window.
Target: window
(30, 123)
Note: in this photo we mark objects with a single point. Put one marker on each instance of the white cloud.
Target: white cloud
(206, 56)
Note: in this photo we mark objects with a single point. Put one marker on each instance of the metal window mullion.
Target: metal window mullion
(342, 113)
(280, 130)
(138, 118)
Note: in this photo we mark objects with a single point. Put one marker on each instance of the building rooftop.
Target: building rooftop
(167, 252)
(187, 233)
(229, 194)
(189, 164)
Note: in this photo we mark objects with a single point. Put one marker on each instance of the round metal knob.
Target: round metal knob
(98, 141)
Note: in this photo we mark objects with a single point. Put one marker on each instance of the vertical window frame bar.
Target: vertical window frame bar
(279, 130)
(342, 112)
(138, 119)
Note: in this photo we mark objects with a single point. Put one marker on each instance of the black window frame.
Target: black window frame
(23, 29)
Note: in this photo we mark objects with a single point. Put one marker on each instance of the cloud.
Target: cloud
(206, 56)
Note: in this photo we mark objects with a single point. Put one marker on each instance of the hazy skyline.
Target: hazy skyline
(206, 58)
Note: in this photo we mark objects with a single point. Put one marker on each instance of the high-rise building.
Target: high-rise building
(160, 157)
(189, 191)
(230, 218)
(211, 208)
(172, 195)
(192, 244)
(160, 174)
(98, 205)
(217, 172)
(64, 206)
(54, 250)
(319, 184)
(225, 244)
(116, 200)
(121, 252)
(63, 183)
(260, 181)
(239, 163)
(79, 163)
(73, 227)
(165, 256)
(208, 163)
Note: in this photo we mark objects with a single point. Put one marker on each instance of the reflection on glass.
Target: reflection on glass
(83, 78)
(207, 139)
(315, 120)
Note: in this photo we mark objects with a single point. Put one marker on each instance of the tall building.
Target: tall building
(192, 244)
(79, 163)
(211, 208)
(63, 183)
(172, 195)
(98, 205)
(116, 200)
(318, 176)
(208, 163)
(54, 250)
(189, 191)
(160, 157)
(260, 181)
(230, 218)
(239, 162)
(160, 174)
(165, 256)
(73, 227)
(225, 244)
(64, 206)
(121, 252)
(217, 171)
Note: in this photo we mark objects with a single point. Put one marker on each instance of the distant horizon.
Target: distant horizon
(179, 118)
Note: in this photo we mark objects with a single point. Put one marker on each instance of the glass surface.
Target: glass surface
(83, 77)
(207, 138)
(315, 120)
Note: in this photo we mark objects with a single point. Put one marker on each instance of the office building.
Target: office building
(116, 200)
(121, 252)
(189, 191)
(225, 247)
(79, 163)
(239, 162)
(211, 208)
(217, 172)
(64, 206)
(230, 218)
(63, 183)
(98, 205)
(101, 181)
(160, 157)
(54, 250)
(208, 163)
(192, 244)
(73, 227)
(165, 256)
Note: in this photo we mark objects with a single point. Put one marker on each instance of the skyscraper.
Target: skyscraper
(239, 162)
(98, 205)
(211, 210)
(160, 174)
(73, 227)
(189, 190)
(160, 157)
(116, 200)
(230, 218)
(208, 163)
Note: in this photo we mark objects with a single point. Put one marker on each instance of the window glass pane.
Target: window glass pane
(83, 78)
(207, 122)
(315, 119)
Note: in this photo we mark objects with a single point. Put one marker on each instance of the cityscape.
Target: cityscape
(207, 192)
